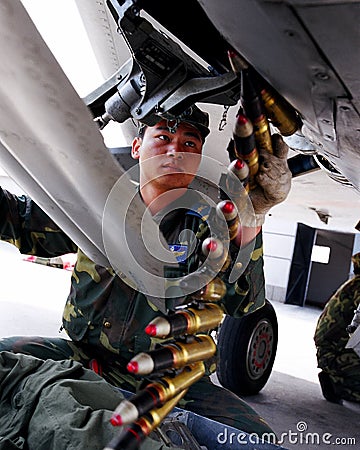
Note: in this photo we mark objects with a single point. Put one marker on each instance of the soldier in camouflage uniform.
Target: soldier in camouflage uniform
(104, 317)
(340, 376)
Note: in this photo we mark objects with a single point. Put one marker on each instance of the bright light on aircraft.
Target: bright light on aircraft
(61, 27)
(60, 24)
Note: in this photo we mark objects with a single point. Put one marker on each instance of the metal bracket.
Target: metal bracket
(163, 80)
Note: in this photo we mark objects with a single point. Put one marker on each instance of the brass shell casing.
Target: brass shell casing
(280, 113)
(214, 291)
(262, 134)
(171, 386)
(205, 319)
(201, 348)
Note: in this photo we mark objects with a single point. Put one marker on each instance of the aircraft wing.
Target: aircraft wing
(50, 145)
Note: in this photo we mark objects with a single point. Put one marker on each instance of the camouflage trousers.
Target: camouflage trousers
(203, 398)
(344, 372)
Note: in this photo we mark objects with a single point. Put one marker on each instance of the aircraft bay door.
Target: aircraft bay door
(325, 278)
(320, 264)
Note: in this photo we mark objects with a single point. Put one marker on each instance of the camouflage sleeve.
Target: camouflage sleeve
(338, 313)
(247, 294)
(25, 225)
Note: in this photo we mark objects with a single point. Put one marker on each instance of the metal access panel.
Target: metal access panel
(325, 278)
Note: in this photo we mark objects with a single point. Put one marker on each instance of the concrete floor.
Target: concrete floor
(31, 301)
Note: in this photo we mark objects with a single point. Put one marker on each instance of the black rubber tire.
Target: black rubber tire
(246, 350)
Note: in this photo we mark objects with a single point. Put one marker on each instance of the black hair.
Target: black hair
(141, 130)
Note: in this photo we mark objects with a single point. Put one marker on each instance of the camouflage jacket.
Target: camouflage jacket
(102, 311)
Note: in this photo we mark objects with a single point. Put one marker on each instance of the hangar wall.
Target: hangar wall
(279, 241)
(280, 253)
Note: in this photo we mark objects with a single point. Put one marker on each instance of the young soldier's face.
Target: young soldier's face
(168, 160)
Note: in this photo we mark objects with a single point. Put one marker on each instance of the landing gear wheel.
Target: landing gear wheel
(247, 349)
